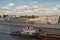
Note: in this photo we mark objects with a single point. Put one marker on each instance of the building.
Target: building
(46, 19)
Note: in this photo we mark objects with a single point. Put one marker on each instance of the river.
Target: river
(4, 29)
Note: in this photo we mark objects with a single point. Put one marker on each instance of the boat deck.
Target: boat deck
(55, 35)
(48, 38)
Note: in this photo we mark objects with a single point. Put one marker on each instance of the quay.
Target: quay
(40, 22)
(33, 25)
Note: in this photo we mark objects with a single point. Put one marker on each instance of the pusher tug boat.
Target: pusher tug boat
(27, 31)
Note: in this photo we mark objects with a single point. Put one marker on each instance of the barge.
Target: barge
(48, 36)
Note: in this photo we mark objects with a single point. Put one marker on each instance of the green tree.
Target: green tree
(5, 16)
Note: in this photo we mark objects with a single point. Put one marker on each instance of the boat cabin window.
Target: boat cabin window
(28, 28)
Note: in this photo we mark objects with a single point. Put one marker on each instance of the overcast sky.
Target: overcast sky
(11, 6)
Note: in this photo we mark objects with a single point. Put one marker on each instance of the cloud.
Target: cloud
(6, 8)
(22, 7)
(32, 9)
(55, 10)
(56, 7)
(34, 4)
(36, 9)
(11, 4)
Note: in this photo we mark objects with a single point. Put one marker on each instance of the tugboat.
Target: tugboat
(27, 31)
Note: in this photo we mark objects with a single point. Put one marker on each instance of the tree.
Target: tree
(5, 16)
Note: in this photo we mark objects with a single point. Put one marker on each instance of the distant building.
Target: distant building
(46, 19)
(16, 20)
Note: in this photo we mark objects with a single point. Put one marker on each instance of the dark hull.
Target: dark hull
(15, 34)
(47, 38)
(24, 35)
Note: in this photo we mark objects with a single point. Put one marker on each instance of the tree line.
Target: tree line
(32, 16)
(23, 16)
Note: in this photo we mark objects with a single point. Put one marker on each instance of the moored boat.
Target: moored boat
(27, 31)
(48, 36)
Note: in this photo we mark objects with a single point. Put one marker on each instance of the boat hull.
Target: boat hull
(48, 38)
(20, 34)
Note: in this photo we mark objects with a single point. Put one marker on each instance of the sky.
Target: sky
(24, 2)
(51, 6)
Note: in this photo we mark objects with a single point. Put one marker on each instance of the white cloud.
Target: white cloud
(55, 10)
(22, 7)
(6, 8)
(56, 7)
(31, 9)
(11, 4)
(34, 4)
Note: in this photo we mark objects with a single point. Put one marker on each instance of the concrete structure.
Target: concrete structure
(46, 19)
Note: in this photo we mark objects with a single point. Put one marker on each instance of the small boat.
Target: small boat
(48, 36)
(27, 31)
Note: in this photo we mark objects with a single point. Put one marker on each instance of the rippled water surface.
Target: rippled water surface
(5, 36)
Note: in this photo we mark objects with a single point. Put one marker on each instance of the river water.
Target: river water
(4, 29)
